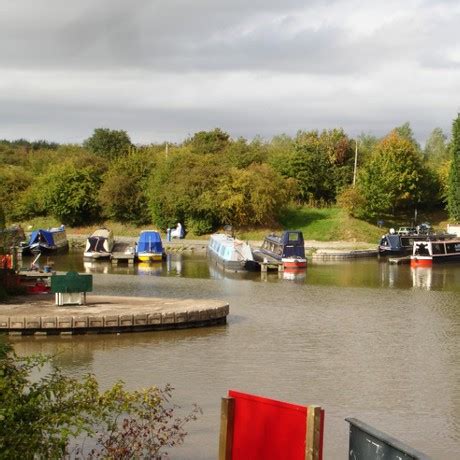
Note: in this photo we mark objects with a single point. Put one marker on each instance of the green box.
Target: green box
(71, 282)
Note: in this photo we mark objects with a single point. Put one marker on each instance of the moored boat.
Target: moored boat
(99, 245)
(427, 252)
(287, 249)
(399, 244)
(47, 241)
(149, 247)
(395, 244)
(230, 253)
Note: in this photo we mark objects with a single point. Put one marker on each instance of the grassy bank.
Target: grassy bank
(325, 224)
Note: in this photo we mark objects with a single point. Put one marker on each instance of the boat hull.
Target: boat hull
(149, 257)
(421, 261)
(96, 255)
(294, 263)
(231, 254)
(233, 265)
(42, 249)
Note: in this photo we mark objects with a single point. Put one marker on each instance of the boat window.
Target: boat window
(293, 237)
(438, 248)
(421, 250)
(452, 248)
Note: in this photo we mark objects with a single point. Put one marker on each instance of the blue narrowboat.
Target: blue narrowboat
(287, 249)
(48, 241)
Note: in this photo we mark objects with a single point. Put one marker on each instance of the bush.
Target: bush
(352, 201)
(52, 415)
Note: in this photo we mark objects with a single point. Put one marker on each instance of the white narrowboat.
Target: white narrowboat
(427, 252)
(230, 253)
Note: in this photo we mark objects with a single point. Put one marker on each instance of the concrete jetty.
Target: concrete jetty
(38, 315)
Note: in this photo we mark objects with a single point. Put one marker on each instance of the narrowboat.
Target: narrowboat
(394, 244)
(99, 245)
(149, 247)
(287, 249)
(48, 241)
(230, 253)
(427, 252)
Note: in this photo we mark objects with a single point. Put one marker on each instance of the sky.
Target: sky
(165, 69)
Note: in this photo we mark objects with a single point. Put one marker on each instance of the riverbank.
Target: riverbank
(312, 247)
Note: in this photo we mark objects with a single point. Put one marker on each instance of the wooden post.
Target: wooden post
(227, 410)
(313, 444)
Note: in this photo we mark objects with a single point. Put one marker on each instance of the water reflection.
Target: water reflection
(422, 277)
(149, 268)
(375, 273)
(298, 275)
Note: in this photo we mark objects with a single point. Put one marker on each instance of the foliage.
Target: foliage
(253, 196)
(394, 178)
(405, 131)
(14, 180)
(320, 163)
(453, 194)
(70, 193)
(183, 189)
(122, 194)
(27, 145)
(206, 142)
(366, 145)
(436, 149)
(45, 414)
(352, 200)
(108, 143)
(241, 154)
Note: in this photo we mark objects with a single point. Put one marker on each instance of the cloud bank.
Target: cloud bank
(166, 69)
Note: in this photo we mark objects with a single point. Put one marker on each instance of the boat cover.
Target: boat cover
(150, 242)
(42, 235)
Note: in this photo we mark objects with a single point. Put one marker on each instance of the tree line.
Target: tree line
(210, 180)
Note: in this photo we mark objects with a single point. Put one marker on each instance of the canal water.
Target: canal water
(361, 338)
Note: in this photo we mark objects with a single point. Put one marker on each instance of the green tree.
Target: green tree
(366, 145)
(205, 142)
(395, 177)
(436, 149)
(108, 143)
(122, 195)
(46, 414)
(14, 180)
(253, 196)
(453, 194)
(405, 131)
(70, 194)
(183, 189)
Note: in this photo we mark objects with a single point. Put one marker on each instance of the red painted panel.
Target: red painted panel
(267, 429)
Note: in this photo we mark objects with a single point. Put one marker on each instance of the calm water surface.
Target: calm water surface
(363, 339)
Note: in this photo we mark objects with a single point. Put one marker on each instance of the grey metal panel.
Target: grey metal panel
(368, 443)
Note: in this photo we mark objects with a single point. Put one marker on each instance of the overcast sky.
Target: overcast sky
(164, 69)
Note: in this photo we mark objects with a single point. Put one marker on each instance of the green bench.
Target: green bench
(71, 289)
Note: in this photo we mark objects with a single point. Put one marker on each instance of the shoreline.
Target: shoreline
(313, 248)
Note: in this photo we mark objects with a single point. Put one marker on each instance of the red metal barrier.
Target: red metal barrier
(253, 427)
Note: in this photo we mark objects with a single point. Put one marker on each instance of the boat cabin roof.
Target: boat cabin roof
(288, 237)
(101, 233)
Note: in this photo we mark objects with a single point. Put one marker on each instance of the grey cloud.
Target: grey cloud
(74, 123)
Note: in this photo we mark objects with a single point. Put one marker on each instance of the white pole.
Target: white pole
(356, 162)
